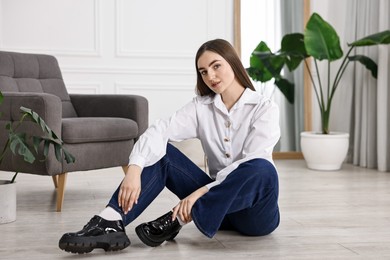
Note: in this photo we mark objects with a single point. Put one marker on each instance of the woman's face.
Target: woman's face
(216, 72)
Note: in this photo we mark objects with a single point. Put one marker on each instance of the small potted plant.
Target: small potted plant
(320, 42)
(27, 146)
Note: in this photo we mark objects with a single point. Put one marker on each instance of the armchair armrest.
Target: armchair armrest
(49, 107)
(125, 106)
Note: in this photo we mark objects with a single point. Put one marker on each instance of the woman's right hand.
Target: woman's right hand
(130, 188)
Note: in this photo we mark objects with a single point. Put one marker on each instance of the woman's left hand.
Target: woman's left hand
(183, 209)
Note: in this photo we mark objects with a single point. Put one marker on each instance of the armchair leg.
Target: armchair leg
(55, 181)
(61, 190)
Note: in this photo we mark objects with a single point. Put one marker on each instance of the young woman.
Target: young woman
(238, 129)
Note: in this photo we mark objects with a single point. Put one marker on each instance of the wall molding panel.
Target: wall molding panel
(127, 71)
(83, 87)
(16, 44)
(164, 99)
(122, 88)
(153, 53)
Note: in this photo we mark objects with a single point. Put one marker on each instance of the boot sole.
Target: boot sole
(147, 240)
(81, 245)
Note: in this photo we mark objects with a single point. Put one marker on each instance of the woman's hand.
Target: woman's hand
(183, 209)
(130, 188)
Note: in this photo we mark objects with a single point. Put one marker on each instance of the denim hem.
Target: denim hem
(199, 227)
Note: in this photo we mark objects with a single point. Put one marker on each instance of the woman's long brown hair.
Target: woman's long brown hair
(226, 50)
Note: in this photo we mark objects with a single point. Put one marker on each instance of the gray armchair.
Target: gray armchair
(99, 130)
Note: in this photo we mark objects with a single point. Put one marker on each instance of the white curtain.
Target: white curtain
(293, 115)
(370, 118)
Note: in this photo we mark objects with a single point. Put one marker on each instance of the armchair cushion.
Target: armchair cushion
(133, 107)
(98, 129)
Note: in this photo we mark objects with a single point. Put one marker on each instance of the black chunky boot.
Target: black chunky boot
(97, 233)
(155, 232)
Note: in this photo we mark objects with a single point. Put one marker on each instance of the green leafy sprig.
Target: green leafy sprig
(20, 142)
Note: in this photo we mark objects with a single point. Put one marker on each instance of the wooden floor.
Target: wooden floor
(324, 215)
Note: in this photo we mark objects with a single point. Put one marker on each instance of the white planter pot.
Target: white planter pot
(324, 152)
(7, 202)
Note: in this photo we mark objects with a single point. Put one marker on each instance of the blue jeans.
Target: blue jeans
(246, 201)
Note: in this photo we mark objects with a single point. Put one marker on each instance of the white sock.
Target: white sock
(110, 214)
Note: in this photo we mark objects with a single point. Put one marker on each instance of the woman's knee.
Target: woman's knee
(263, 165)
(264, 171)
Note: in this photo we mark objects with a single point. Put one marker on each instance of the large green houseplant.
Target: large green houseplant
(325, 151)
(321, 42)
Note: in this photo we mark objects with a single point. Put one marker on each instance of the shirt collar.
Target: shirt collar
(248, 97)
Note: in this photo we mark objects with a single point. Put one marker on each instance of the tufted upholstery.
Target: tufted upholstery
(99, 130)
(20, 72)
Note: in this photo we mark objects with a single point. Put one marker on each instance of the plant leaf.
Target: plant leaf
(50, 139)
(367, 62)
(373, 39)
(69, 158)
(46, 145)
(268, 66)
(257, 70)
(55, 137)
(321, 39)
(36, 141)
(34, 117)
(273, 63)
(57, 151)
(287, 88)
(38, 120)
(265, 65)
(293, 47)
(18, 145)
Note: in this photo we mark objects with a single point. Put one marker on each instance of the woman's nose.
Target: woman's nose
(211, 76)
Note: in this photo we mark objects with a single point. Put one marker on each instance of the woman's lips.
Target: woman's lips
(214, 85)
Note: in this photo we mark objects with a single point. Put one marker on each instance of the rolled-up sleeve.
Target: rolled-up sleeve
(151, 146)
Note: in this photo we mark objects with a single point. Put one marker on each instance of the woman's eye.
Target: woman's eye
(216, 66)
(203, 73)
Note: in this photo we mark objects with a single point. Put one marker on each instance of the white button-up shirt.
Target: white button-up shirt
(249, 130)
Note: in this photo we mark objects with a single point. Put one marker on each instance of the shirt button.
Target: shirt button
(228, 124)
(227, 155)
(226, 139)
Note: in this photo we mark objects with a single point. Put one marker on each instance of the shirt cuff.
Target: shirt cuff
(212, 184)
(137, 160)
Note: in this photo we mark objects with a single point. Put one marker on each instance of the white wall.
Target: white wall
(144, 47)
